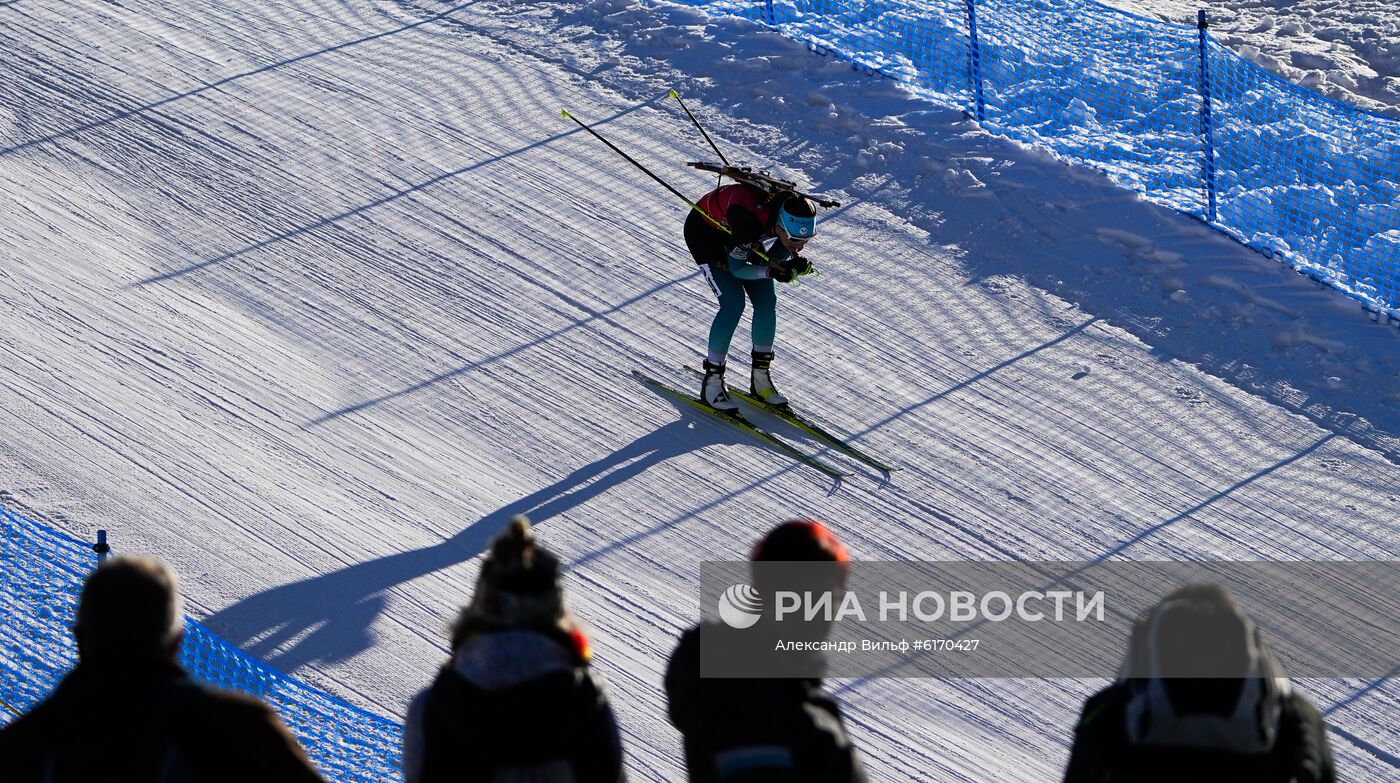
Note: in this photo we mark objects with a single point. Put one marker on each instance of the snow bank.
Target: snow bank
(1349, 50)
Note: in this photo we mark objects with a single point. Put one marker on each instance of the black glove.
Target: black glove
(788, 269)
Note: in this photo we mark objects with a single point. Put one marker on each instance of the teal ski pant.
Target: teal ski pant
(732, 291)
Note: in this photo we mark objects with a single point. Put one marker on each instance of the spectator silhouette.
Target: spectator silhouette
(766, 729)
(128, 712)
(518, 699)
(1202, 699)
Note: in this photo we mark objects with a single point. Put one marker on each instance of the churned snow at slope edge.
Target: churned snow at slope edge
(1346, 49)
(311, 299)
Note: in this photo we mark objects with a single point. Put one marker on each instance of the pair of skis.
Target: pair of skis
(797, 420)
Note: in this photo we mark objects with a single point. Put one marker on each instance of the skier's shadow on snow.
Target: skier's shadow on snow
(327, 618)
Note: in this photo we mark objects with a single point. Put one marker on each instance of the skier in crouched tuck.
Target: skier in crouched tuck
(734, 261)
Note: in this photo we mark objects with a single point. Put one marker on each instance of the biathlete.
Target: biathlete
(731, 260)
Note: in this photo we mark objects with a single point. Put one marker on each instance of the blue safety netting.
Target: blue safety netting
(41, 573)
(1105, 88)
(1308, 178)
(922, 43)
(1163, 109)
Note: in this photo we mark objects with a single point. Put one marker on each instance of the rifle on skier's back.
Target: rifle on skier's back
(769, 184)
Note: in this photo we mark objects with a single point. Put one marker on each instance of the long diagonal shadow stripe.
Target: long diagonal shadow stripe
(1381, 755)
(476, 365)
(1369, 687)
(852, 684)
(975, 378)
(1222, 494)
(225, 81)
(379, 202)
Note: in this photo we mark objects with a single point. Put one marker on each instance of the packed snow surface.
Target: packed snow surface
(1346, 49)
(308, 298)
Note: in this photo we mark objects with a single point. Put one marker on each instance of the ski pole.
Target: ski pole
(648, 172)
(698, 127)
(662, 182)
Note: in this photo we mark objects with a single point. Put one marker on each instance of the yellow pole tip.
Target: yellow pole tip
(674, 95)
(563, 112)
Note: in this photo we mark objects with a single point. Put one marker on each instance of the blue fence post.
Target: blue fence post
(1207, 139)
(974, 62)
(101, 547)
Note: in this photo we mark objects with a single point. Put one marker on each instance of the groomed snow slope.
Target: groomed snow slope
(310, 298)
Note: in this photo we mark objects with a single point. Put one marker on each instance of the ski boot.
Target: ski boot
(712, 391)
(761, 382)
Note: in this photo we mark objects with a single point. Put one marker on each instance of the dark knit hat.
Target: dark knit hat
(519, 582)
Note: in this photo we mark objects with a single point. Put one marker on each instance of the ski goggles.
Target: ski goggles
(798, 229)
